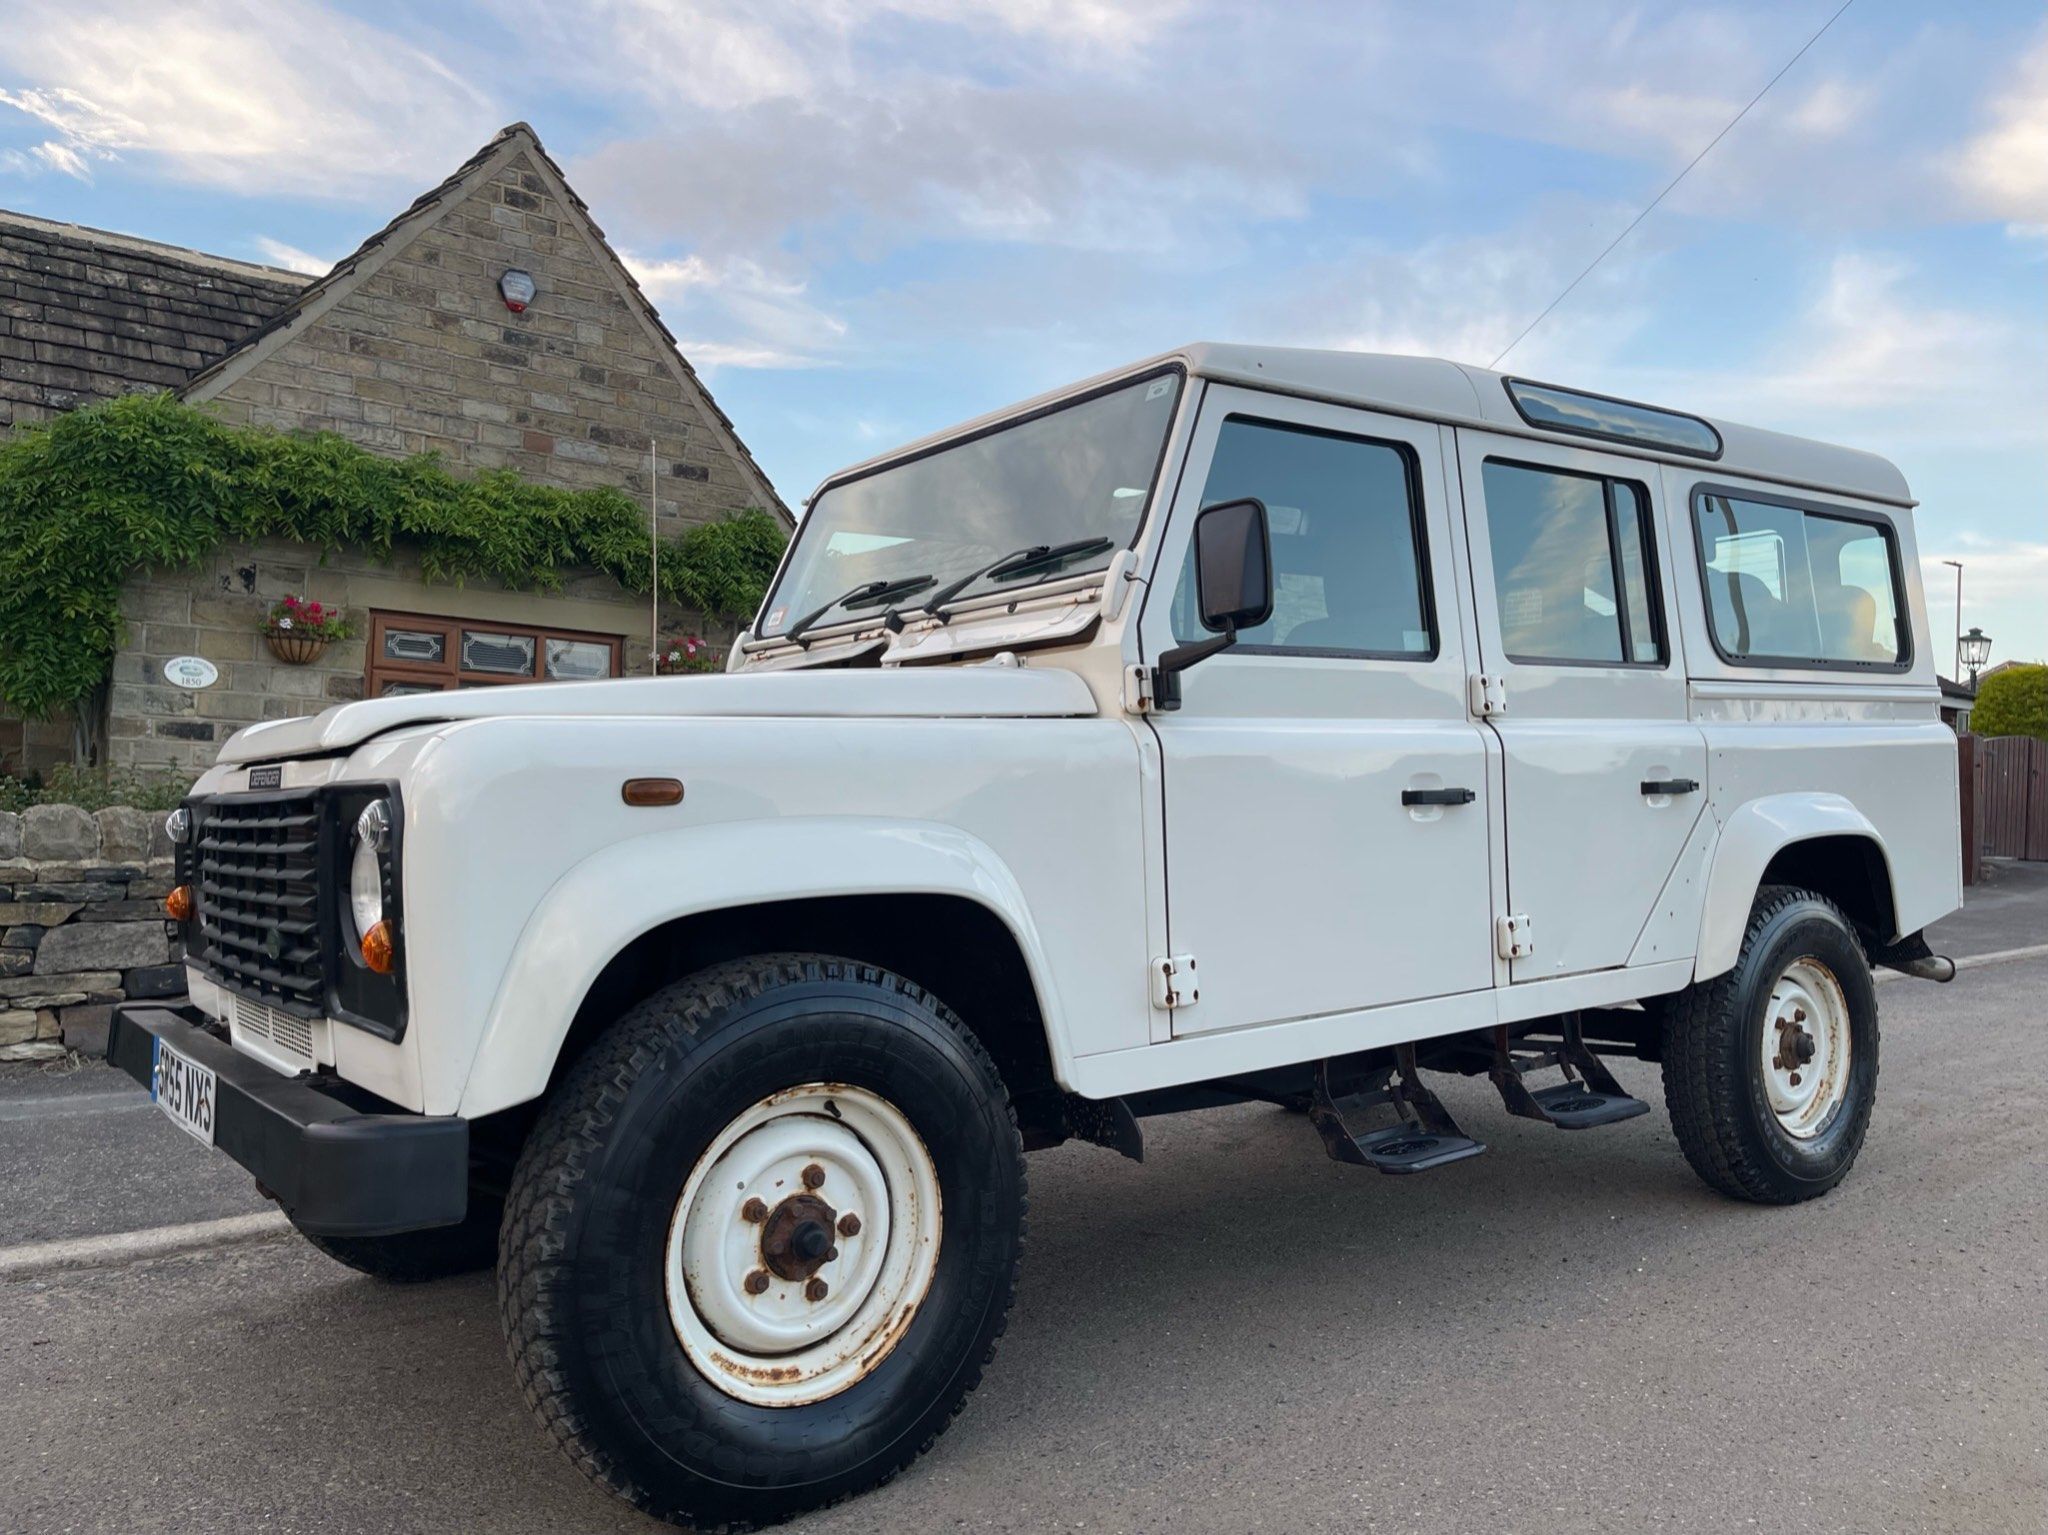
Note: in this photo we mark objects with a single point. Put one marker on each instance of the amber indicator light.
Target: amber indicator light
(178, 904)
(378, 950)
(652, 791)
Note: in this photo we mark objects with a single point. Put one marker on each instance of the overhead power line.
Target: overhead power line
(1652, 205)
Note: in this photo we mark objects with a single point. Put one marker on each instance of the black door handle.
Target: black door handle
(1437, 796)
(1670, 785)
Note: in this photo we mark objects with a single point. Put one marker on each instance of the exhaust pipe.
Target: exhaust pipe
(1911, 956)
(1935, 967)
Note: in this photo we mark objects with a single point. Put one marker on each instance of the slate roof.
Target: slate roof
(86, 314)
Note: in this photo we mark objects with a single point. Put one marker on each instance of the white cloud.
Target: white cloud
(1873, 359)
(2005, 168)
(239, 95)
(292, 259)
(742, 314)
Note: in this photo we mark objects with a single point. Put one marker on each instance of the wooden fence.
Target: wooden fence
(2010, 790)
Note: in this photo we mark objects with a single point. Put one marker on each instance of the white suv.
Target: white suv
(1247, 724)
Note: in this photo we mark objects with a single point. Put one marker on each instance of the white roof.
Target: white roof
(1436, 390)
(1452, 391)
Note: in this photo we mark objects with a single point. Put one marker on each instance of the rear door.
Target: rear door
(1605, 775)
(1296, 876)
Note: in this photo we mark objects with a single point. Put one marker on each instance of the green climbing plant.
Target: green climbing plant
(148, 481)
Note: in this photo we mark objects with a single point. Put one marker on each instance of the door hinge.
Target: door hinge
(1512, 937)
(1488, 695)
(1138, 694)
(1173, 982)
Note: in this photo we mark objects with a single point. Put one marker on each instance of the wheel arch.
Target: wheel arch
(928, 902)
(1819, 841)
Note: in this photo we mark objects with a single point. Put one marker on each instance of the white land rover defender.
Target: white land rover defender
(1245, 725)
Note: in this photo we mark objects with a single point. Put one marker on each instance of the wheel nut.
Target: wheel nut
(816, 1290)
(757, 1282)
(849, 1225)
(813, 1176)
(754, 1211)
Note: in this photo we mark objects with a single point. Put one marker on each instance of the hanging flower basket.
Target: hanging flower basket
(295, 649)
(298, 632)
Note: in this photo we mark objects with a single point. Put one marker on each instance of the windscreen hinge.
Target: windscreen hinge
(1488, 695)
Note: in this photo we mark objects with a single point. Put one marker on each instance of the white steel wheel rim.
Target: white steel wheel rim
(819, 1323)
(1806, 1048)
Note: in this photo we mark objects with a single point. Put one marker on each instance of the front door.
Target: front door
(1296, 876)
(1605, 775)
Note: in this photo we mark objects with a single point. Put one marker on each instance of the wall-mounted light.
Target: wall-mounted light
(517, 289)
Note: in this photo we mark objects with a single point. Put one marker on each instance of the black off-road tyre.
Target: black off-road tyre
(581, 1275)
(1713, 1074)
(412, 1257)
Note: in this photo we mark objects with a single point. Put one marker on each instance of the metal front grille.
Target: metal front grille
(292, 1035)
(259, 900)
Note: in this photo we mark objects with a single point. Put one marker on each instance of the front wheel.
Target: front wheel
(1770, 1071)
(763, 1239)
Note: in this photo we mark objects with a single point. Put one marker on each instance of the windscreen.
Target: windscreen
(1078, 475)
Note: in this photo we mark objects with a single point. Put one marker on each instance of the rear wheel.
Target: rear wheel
(763, 1239)
(1770, 1071)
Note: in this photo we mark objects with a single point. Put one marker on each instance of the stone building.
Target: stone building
(490, 322)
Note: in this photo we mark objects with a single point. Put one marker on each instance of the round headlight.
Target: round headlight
(366, 869)
(178, 824)
(365, 889)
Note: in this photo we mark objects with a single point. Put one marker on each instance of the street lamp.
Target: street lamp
(1975, 649)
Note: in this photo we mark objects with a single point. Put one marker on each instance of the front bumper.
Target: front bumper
(336, 1169)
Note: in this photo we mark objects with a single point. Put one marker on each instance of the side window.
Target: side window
(1348, 562)
(1798, 585)
(1574, 567)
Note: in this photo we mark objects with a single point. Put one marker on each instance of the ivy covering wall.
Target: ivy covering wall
(90, 497)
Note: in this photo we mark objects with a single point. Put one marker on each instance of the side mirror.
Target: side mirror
(1233, 587)
(1233, 565)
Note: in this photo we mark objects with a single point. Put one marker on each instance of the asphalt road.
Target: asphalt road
(1567, 1334)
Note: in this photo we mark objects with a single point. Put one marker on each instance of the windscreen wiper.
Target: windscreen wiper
(866, 595)
(1018, 562)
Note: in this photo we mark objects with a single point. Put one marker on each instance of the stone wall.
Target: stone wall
(33, 746)
(81, 924)
(218, 613)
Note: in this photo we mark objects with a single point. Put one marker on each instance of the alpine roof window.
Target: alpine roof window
(1596, 415)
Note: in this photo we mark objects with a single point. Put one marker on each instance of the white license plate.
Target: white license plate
(184, 1090)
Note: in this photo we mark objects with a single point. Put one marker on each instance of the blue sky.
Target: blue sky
(869, 218)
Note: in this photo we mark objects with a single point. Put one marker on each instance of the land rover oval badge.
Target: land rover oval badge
(192, 672)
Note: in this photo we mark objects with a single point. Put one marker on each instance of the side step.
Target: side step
(1424, 1136)
(1588, 1096)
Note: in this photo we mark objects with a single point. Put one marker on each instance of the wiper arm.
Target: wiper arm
(1018, 562)
(866, 595)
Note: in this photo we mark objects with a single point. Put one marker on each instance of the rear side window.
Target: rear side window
(1574, 567)
(1799, 586)
(1348, 561)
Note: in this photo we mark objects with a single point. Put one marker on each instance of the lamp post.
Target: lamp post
(1975, 650)
(1958, 668)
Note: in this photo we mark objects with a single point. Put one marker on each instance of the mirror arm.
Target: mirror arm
(1166, 675)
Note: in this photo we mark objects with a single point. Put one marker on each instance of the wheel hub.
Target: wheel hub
(796, 1240)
